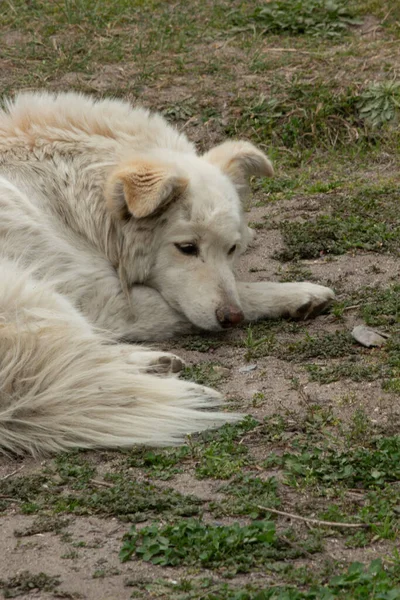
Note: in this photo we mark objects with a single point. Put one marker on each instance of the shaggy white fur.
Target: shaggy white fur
(113, 230)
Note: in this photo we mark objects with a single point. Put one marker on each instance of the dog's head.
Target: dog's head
(192, 207)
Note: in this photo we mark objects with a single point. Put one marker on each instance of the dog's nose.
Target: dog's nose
(229, 316)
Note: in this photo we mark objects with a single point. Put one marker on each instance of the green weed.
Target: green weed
(245, 495)
(371, 467)
(356, 224)
(71, 491)
(336, 235)
(191, 542)
(206, 373)
(25, 582)
(255, 345)
(380, 102)
(315, 18)
(328, 345)
(356, 371)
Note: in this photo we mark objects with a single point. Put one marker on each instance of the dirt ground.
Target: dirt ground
(211, 85)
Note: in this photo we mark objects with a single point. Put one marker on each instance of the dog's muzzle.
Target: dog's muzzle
(229, 316)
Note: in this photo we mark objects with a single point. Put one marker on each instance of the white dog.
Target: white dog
(113, 229)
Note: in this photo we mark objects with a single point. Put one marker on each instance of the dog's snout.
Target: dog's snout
(229, 316)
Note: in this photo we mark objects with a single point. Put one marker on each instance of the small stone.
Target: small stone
(247, 368)
(222, 371)
(369, 337)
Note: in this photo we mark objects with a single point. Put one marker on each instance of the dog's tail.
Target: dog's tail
(59, 390)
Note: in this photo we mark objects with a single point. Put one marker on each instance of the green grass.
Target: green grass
(359, 582)
(245, 495)
(320, 94)
(336, 235)
(356, 371)
(354, 225)
(73, 489)
(328, 345)
(315, 18)
(367, 468)
(217, 455)
(232, 547)
(26, 582)
(205, 373)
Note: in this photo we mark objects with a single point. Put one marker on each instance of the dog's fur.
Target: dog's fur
(113, 229)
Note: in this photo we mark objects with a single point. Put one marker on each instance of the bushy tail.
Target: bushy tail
(60, 390)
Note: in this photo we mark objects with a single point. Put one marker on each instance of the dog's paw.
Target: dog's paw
(166, 364)
(309, 300)
(155, 363)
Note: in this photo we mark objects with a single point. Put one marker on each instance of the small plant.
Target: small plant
(330, 345)
(369, 468)
(380, 102)
(246, 496)
(25, 582)
(205, 373)
(317, 18)
(221, 455)
(252, 344)
(336, 235)
(192, 542)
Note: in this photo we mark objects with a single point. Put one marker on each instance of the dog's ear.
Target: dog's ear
(142, 187)
(240, 160)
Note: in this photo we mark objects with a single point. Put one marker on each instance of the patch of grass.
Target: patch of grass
(201, 343)
(307, 116)
(254, 344)
(356, 371)
(386, 11)
(380, 102)
(381, 306)
(222, 460)
(336, 235)
(360, 429)
(245, 495)
(356, 223)
(217, 454)
(234, 547)
(27, 489)
(295, 272)
(274, 188)
(204, 373)
(383, 364)
(128, 500)
(356, 582)
(368, 468)
(71, 491)
(328, 345)
(222, 455)
(43, 524)
(315, 18)
(26, 582)
(160, 465)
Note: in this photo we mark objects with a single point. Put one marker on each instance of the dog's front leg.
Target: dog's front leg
(269, 300)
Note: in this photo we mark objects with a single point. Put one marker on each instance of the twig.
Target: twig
(11, 5)
(11, 474)
(385, 17)
(10, 498)
(316, 521)
(104, 483)
(351, 307)
(291, 50)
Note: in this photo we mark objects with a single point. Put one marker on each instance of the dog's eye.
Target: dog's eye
(189, 249)
(232, 250)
